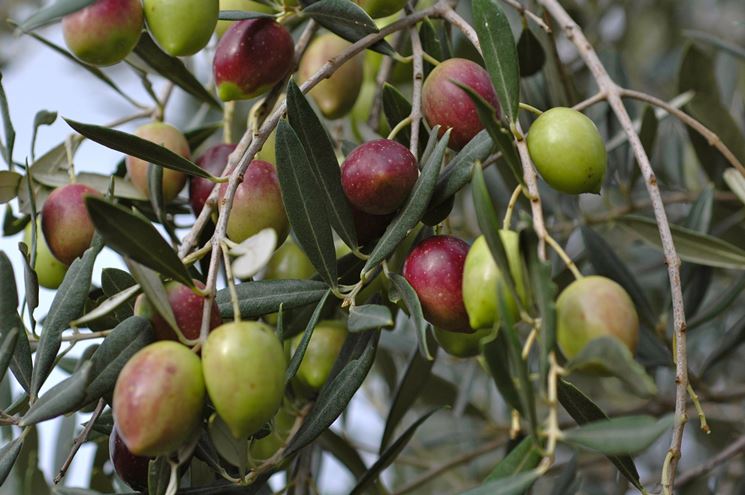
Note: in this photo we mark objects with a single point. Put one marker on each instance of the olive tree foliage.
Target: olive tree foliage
(519, 418)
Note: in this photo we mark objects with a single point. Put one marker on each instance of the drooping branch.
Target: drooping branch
(613, 94)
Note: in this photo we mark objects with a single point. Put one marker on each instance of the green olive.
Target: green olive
(482, 279)
(594, 307)
(568, 151)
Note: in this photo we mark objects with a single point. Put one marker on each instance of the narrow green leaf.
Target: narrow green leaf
(369, 317)
(348, 20)
(240, 15)
(10, 133)
(499, 52)
(67, 305)
(497, 362)
(198, 135)
(265, 296)
(30, 278)
(53, 12)
(717, 307)
(297, 357)
(459, 171)
(544, 291)
(431, 44)
(736, 182)
(356, 357)
(500, 136)
(414, 209)
(132, 236)
(626, 435)
(303, 203)
(584, 411)
(158, 476)
(122, 188)
(8, 185)
(530, 54)
(607, 355)
(8, 455)
(107, 306)
(91, 69)
(154, 291)
(416, 375)
(488, 221)
(7, 348)
(323, 163)
(716, 42)
(114, 281)
(514, 485)
(65, 397)
(20, 363)
(726, 345)
(411, 300)
(343, 451)
(173, 69)
(692, 246)
(389, 455)
(117, 348)
(138, 147)
(518, 366)
(42, 117)
(567, 482)
(698, 73)
(525, 456)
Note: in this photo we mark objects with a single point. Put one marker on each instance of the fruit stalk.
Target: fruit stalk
(79, 441)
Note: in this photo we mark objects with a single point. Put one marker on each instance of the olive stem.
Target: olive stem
(80, 440)
(529, 343)
(530, 108)
(614, 94)
(506, 223)
(394, 132)
(699, 410)
(231, 284)
(737, 447)
(564, 256)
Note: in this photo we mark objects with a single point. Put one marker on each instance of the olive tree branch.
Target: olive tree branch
(530, 15)
(694, 124)
(735, 448)
(613, 93)
(416, 92)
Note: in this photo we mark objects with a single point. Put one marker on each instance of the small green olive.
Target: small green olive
(568, 151)
(594, 307)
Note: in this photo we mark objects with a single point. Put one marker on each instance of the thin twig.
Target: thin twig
(613, 93)
(79, 441)
(416, 92)
(531, 182)
(453, 18)
(694, 124)
(530, 15)
(737, 447)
